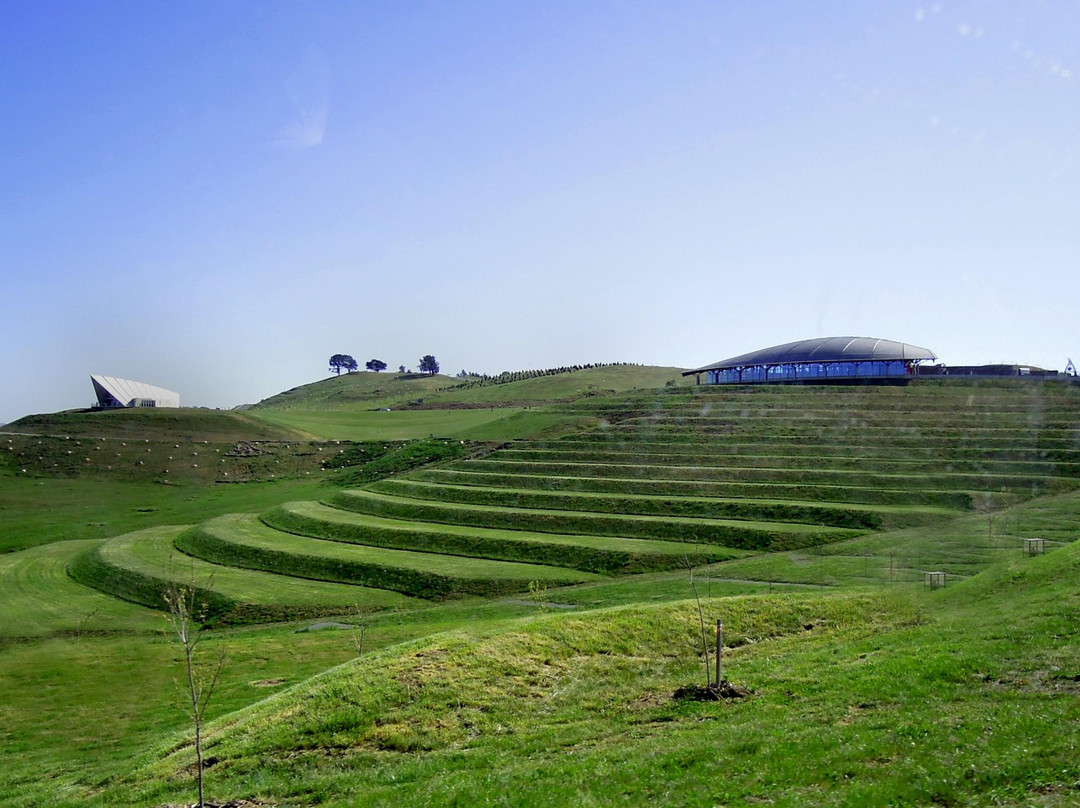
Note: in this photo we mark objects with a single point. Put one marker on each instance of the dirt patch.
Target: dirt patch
(267, 683)
(229, 804)
(324, 625)
(713, 692)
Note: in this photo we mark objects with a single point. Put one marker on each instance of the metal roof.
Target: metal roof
(126, 390)
(825, 349)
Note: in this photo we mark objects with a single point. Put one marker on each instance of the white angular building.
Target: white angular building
(113, 392)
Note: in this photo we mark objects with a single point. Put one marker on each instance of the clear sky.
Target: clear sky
(215, 197)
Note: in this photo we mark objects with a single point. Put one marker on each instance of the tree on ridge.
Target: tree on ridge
(375, 364)
(429, 365)
(339, 362)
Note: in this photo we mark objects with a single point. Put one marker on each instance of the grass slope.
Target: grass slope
(184, 424)
(350, 407)
(36, 511)
(963, 697)
(140, 566)
(743, 535)
(241, 540)
(600, 554)
(366, 424)
(355, 389)
(37, 598)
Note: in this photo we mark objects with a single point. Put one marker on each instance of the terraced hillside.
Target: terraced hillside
(669, 480)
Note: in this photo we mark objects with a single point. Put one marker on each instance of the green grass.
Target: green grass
(601, 554)
(565, 386)
(868, 689)
(36, 511)
(186, 424)
(355, 390)
(961, 548)
(241, 540)
(151, 553)
(349, 407)
(362, 425)
(37, 598)
(944, 481)
(961, 697)
(458, 475)
(838, 515)
(746, 535)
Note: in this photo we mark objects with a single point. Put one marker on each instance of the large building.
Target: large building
(840, 360)
(113, 392)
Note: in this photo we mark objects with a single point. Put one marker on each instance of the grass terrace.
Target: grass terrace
(512, 621)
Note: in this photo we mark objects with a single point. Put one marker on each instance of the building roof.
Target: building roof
(825, 349)
(125, 391)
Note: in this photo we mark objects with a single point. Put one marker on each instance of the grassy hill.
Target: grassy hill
(965, 696)
(365, 388)
(185, 424)
(385, 406)
(524, 611)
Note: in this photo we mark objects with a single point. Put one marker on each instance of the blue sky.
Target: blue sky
(215, 197)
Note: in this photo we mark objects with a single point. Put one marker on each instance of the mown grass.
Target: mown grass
(36, 511)
(151, 553)
(349, 407)
(615, 725)
(601, 554)
(355, 390)
(187, 424)
(894, 695)
(846, 515)
(940, 481)
(241, 540)
(966, 696)
(743, 535)
(37, 598)
(702, 456)
(457, 474)
(565, 386)
(362, 425)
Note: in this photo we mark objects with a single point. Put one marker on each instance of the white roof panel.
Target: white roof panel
(125, 391)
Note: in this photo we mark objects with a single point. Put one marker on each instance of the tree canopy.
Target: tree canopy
(375, 364)
(429, 365)
(339, 362)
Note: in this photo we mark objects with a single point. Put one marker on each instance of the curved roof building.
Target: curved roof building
(816, 361)
(114, 392)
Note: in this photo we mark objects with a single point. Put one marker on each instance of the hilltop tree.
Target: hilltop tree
(339, 362)
(429, 365)
(375, 364)
(401, 368)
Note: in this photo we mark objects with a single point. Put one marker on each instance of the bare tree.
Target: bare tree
(186, 616)
(701, 620)
(359, 630)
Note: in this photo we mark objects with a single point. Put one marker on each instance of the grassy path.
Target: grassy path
(152, 553)
(733, 533)
(242, 540)
(853, 515)
(319, 511)
(599, 554)
(952, 500)
(37, 597)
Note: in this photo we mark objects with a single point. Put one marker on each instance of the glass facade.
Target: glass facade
(812, 371)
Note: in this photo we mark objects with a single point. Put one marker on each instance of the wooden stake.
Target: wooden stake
(719, 648)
